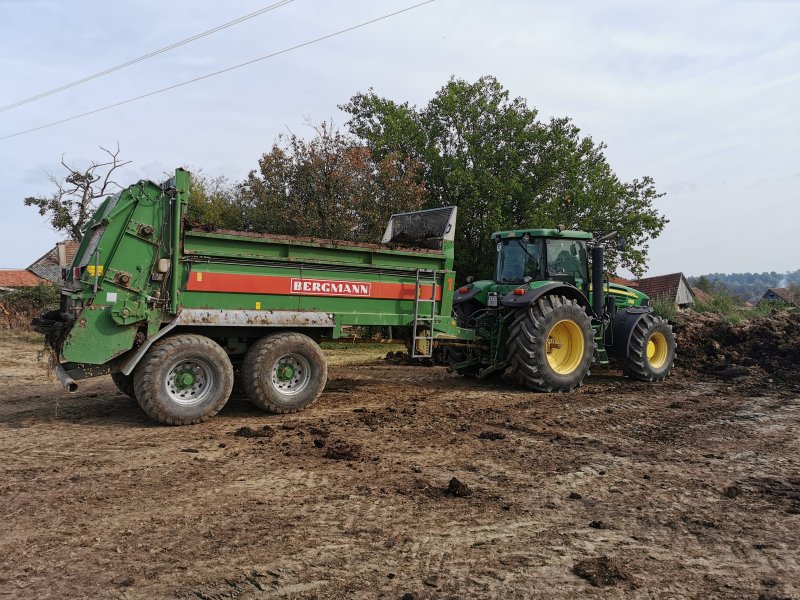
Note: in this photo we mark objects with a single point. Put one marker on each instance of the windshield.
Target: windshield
(517, 259)
(567, 258)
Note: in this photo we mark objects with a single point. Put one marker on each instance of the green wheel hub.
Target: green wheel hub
(185, 380)
(285, 372)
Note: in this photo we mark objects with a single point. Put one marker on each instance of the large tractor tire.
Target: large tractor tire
(551, 345)
(124, 384)
(183, 379)
(284, 372)
(651, 350)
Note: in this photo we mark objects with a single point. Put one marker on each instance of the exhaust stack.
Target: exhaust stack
(598, 297)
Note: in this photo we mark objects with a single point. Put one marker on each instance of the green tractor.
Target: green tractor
(536, 320)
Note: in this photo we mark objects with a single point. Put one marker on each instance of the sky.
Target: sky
(704, 96)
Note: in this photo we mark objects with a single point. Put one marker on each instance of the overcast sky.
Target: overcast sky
(702, 96)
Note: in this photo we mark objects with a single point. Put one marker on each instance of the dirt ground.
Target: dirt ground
(403, 482)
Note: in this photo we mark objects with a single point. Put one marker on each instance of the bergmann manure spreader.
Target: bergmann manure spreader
(172, 312)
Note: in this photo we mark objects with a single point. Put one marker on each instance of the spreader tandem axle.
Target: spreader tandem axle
(175, 313)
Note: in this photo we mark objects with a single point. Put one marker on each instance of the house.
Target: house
(49, 266)
(701, 296)
(12, 279)
(622, 281)
(776, 295)
(674, 287)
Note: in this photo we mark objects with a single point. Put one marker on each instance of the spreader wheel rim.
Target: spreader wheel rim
(291, 373)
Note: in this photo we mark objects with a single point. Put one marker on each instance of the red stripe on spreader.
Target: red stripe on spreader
(267, 284)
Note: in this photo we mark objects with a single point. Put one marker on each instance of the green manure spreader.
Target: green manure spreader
(173, 312)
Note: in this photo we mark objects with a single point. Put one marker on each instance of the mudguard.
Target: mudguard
(618, 336)
(458, 297)
(530, 297)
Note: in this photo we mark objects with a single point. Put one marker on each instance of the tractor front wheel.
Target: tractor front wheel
(651, 350)
(284, 372)
(551, 345)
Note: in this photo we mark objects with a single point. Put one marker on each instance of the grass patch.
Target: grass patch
(348, 353)
(664, 308)
(734, 311)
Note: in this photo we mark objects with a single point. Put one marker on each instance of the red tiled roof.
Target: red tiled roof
(700, 295)
(662, 286)
(622, 281)
(18, 278)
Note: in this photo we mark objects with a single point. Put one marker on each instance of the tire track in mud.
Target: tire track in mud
(101, 502)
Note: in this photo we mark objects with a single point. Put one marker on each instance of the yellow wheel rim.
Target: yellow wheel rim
(564, 347)
(657, 350)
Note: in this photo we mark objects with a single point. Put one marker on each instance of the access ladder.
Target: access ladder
(424, 324)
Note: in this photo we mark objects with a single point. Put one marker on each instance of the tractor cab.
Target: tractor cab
(524, 256)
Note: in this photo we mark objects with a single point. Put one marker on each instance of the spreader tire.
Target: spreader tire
(551, 345)
(124, 384)
(183, 379)
(284, 373)
(651, 350)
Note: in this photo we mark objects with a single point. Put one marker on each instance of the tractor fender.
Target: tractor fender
(458, 297)
(618, 336)
(530, 297)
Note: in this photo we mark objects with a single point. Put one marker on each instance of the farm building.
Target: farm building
(674, 287)
(49, 266)
(776, 295)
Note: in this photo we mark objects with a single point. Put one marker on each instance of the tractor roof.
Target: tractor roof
(554, 233)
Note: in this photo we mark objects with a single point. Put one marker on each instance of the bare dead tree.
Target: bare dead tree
(71, 205)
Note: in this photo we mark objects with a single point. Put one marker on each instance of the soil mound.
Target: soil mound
(247, 432)
(343, 451)
(457, 489)
(601, 571)
(766, 346)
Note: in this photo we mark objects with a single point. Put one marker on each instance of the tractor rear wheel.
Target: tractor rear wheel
(183, 379)
(124, 384)
(651, 350)
(284, 372)
(551, 345)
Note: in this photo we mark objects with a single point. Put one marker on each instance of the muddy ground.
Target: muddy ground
(689, 488)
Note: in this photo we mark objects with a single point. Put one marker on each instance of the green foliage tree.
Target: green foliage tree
(329, 186)
(489, 155)
(72, 203)
(213, 202)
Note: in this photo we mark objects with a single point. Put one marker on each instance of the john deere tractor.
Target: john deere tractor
(536, 320)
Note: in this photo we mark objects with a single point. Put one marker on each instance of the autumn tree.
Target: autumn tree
(329, 186)
(73, 202)
(504, 168)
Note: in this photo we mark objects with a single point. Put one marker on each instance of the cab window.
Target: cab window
(517, 259)
(567, 258)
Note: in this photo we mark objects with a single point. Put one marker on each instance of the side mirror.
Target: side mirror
(470, 279)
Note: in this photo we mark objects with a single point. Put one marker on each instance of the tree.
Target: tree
(213, 202)
(504, 169)
(330, 186)
(72, 204)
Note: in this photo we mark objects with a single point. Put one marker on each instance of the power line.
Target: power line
(133, 61)
(240, 65)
